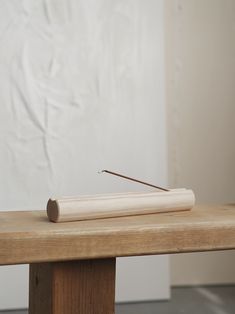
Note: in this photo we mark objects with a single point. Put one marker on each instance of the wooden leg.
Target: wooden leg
(74, 287)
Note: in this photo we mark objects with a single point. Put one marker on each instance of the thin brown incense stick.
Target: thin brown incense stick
(135, 180)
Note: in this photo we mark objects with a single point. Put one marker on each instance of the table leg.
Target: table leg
(72, 287)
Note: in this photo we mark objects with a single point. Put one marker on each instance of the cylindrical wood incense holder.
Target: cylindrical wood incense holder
(116, 205)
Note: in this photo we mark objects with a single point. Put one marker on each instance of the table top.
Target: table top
(28, 237)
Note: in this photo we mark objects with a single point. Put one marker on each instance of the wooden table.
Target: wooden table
(72, 265)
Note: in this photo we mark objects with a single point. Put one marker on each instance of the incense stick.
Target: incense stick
(132, 179)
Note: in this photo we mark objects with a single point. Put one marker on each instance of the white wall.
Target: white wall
(200, 47)
(82, 89)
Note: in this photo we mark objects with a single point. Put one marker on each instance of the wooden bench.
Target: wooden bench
(72, 265)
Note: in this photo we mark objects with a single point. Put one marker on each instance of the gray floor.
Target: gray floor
(203, 300)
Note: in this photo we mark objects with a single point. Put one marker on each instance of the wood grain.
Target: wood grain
(40, 288)
(75, 287)
(27, 237)
(117, 205)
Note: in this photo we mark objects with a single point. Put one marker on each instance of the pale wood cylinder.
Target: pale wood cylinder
(117, 205)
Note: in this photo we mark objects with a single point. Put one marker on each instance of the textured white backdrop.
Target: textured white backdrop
(81, 89)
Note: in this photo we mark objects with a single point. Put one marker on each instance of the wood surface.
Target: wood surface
(74, 287)
(117, 205)
(27, 237)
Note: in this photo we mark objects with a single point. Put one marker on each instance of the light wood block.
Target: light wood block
(118, 205)
(74, 287)
(28, 237)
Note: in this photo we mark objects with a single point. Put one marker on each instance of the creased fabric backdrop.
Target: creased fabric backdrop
(81, 89)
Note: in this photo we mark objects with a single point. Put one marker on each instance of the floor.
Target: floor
(203, 300)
